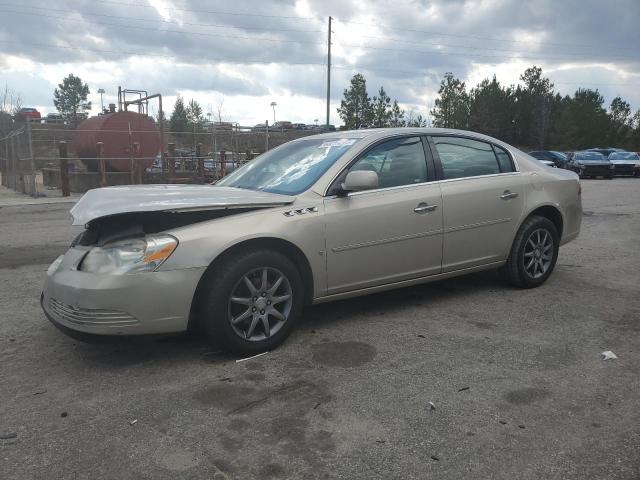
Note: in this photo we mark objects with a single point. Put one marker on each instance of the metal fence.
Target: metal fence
(17, 166)
(38, 157)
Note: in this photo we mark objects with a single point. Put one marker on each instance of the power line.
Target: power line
(439, 44)
(493, 39)
(216, 12)
(474, 55)
(136, 27)
(242, 37)
(154, 55)
(153, 20)
(258, 62)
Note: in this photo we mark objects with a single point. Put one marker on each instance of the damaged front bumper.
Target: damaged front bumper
(129, 304)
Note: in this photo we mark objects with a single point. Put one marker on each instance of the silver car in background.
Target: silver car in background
(320, 218)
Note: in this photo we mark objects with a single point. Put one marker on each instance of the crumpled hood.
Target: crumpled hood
(103, 202)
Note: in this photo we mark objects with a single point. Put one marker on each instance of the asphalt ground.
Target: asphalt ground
(516, 377)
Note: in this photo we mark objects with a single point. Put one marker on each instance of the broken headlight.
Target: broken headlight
(130, 256)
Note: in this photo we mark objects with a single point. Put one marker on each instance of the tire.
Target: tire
(227, 280)
(517, 271)
(610, 177)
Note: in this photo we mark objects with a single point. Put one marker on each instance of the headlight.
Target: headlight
(54, 265)
(130, 256)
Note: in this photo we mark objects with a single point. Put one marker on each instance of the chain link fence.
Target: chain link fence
(36, 158)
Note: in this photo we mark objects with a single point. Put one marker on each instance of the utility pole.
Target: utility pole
(329, 70)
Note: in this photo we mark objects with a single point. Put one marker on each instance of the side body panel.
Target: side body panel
(376, 237)
(479, 225)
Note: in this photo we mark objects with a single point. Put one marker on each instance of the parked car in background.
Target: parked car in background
(550, 157)
(282, 125)
(259, 127)
(28, 113)
(298, 126)
(54, 118)
(589, 163)
(605, 151)
(317, 219)
(625, 163)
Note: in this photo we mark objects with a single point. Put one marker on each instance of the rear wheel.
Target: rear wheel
(533, 254)
(252, 301)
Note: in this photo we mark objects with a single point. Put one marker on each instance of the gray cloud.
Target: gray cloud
(406, 47)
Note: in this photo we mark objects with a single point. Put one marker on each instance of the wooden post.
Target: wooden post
(222, 163)
(64, 168)
(136, 164)
(101, 165)
(200, 160)
(172, 161)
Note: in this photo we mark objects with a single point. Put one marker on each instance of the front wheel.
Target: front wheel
(533, 254)
(252, 301)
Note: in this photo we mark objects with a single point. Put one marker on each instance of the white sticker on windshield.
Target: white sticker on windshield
(343, 142)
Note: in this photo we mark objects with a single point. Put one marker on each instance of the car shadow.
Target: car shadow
(195, 347)
(394, 301)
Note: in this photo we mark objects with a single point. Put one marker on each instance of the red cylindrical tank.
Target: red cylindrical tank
(113, 130)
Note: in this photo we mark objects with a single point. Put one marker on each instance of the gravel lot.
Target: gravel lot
(516, 377)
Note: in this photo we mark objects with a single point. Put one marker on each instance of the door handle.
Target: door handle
(508, 194)
(423, 207)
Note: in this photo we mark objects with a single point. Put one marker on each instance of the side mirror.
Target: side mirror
(359, 180)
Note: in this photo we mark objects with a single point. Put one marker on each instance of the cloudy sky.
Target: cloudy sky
(243, 55)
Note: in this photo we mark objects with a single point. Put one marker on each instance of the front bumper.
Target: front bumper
(597, 170)
(626, 169)
(134, 304)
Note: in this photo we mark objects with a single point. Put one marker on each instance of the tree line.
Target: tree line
(531, 115)
(535, 115)
(359, 110)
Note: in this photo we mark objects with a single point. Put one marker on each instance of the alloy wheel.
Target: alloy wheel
(260, 304)
(538, 253)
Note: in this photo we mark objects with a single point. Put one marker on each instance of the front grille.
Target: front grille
(87, 316)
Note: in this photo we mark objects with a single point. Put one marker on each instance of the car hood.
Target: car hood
(629, 161)
(104, 202)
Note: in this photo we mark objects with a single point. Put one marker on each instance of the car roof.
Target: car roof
(382, 132)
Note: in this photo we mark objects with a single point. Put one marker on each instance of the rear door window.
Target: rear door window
(463, 157)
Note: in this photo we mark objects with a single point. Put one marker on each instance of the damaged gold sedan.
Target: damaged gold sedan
(317, 219)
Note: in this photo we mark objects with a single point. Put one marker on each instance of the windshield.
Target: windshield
(590, 157)
(558, 155)
(624, 156)
(291, 168)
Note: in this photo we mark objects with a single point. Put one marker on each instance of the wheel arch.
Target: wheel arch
(549, 211)
(280, 245)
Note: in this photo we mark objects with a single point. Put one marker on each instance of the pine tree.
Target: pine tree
(70, 98)
(452, 106)
(381, 110)
(355, 107)
(179, 120)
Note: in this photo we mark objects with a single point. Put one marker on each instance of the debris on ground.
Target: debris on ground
(433, 457)
(502, 422)
(249, 358)
(463, 389)
(420, 336)
(381, 441)
(316, 406)
(225, 379)
(609, 355)
(8, 436)
(520, 426)
(40, 392)
(64, 414)
(432, 406)
(133, 422)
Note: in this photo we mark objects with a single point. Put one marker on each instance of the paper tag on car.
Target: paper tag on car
(343, 142)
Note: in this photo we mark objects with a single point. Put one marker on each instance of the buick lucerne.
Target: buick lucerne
(320, 218)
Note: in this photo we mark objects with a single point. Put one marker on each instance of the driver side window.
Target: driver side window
(396, 162)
